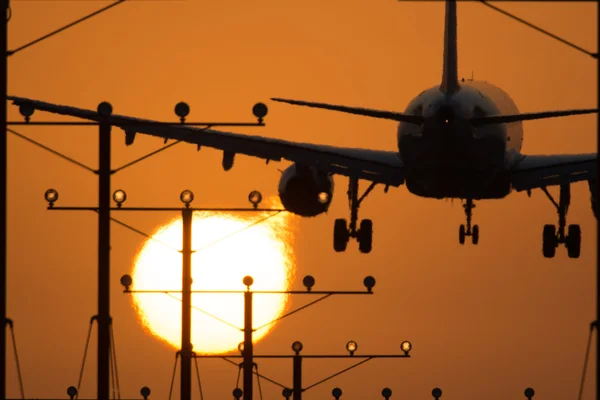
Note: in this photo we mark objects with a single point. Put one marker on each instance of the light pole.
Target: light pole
(104, 172)
(248, 346)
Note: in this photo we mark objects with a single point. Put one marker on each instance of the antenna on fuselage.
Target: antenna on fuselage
(471, 79)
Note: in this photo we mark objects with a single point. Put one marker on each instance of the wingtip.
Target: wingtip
(16, 99)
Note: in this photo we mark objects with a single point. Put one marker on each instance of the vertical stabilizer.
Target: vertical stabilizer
(450, 73)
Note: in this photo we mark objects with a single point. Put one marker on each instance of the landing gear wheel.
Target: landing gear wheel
(340, 235)
(461, 234)
(467, 230)
(475, 234)
(573, 241)
(553, 236)
(549, 241)
(365, 236)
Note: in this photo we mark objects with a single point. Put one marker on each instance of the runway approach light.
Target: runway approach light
(386, 393)
(297, 347)
(72, 392)
(126, 281)
(337, 393)
(369, 282)
(309, 282)
(351, 346)
(255, 198)
(323, 197)
(287, 393)
(186, 197)
(105, 109)
(51, 196)
(405, 347)
(119, 196)
(237, 393)
(436, 393)
(182, 110)
(241, 348)
(26, 111)
(145, 392)
(260, 110)
(248, 281)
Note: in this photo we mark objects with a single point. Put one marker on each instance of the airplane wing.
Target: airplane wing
(537, 171)
(374, 165)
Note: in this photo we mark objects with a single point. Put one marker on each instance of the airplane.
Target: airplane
(457, 139)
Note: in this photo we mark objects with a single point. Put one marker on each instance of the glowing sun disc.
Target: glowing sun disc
(227, 248)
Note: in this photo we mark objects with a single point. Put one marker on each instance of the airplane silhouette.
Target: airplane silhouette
(455, 140)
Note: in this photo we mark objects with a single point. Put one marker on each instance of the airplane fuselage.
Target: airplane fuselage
(446, 157)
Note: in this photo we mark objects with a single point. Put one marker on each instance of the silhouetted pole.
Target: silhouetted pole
(297, 380)
(598, 225)
(3, 155)
(104, 197)
(248, 351)
(186, 307)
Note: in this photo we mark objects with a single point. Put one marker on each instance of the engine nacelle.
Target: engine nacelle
(305, 191)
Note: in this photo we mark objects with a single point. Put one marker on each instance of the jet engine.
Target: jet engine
(305, 191)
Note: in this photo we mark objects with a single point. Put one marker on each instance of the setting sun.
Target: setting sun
(226, 248)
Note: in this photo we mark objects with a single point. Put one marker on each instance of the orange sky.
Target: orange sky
(485, 321)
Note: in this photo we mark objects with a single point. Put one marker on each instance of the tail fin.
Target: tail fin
(450, 73)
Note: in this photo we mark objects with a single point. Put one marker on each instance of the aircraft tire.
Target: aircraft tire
(365, 236)
(574, 241)
(461, 234)
(549, 241)
(475, 235)
(340, 235)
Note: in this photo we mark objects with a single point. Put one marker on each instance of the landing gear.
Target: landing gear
(340, 235)
(552, 237)
(468, 230)
(342, 232)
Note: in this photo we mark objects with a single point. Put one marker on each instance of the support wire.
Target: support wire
(208, 314)
(339, 373)
(87, 342)
(258, 380)
(198, 376)
(114, 352)
(585, 362)
(111, 373)
(545, 32)
(173, 378)
(295, 311)
(239, 230)
(11, 52)
(56, 153)
(237, 382)
(262, 376)
(12, 332)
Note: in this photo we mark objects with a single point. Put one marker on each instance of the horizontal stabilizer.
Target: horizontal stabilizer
(394, 116)
(502, 119)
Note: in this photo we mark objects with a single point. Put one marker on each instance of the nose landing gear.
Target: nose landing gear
(468, 231)
(552, 237)
(342, 232)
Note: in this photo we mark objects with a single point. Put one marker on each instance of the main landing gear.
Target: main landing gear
(468, 231)
(552, 238)
(364, 234)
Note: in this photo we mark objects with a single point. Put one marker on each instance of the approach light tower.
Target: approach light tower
(246, 347)
(105, 120)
